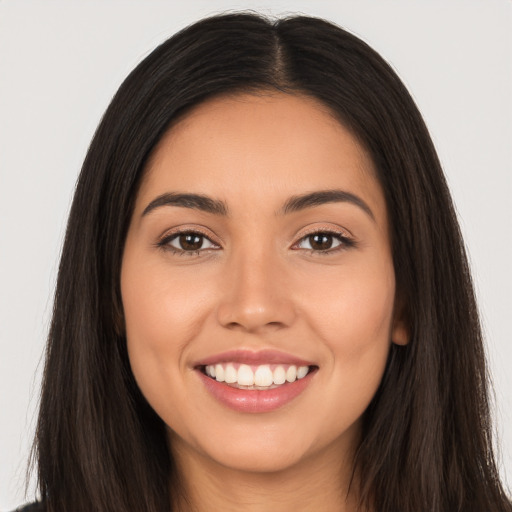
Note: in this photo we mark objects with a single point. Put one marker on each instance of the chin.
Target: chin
(257, 459)
(246, 448)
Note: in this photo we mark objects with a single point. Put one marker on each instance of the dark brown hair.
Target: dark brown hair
(426, 443)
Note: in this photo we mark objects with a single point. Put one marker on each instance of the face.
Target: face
(258, 285)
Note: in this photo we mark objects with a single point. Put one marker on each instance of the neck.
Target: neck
(319, 483)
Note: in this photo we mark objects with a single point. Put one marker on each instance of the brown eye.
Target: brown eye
(320, 241)
(190, 242)
(324, 241)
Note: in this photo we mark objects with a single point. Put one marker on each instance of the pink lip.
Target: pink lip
(254, 400)
(253, 358)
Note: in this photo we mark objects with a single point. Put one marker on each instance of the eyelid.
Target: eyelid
(169, 234)
(319, 228)
(189, 228)
(347, 239)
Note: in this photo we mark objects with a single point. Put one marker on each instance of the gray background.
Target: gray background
(61, 62)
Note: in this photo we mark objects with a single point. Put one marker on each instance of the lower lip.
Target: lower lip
(255, 400)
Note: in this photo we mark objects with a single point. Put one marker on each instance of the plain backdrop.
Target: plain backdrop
(60, 64)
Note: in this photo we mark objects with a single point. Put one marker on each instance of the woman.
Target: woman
(263, 300)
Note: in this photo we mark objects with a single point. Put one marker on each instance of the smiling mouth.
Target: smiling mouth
(255, 377)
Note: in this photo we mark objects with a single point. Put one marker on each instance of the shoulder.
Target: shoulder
(32, 507)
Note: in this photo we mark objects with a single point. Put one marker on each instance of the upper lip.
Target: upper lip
(251, 357)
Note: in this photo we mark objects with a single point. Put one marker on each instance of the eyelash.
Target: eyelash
(345, 242)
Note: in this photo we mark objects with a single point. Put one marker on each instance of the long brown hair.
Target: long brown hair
(426, 443)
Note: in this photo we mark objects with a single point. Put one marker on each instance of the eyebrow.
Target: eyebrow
(292, 205)
(193, 201)
(312, 199)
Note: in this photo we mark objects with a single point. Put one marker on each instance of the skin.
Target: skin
(259, 285)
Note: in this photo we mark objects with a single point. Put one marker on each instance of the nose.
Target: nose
(256, 294)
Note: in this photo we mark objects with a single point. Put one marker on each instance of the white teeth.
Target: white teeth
(302, 371)
(279, 375)
(230, 375)
(263, 376)
(219, 372)
(260, 376)
(245, 375)
(291, 374)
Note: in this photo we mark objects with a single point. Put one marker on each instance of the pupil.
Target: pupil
(191, 242)
(321, 241)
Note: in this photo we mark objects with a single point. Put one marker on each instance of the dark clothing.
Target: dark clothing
(32, 507)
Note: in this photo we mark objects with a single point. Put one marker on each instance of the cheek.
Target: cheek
(162, 309)
(353, 309)
(353, 317)
(163, 313)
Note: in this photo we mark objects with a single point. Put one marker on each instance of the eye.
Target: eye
(189, 242)
(324, 241)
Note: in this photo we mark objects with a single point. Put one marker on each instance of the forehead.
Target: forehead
(254, 148)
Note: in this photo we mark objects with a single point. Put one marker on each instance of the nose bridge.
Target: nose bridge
(255, 295)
